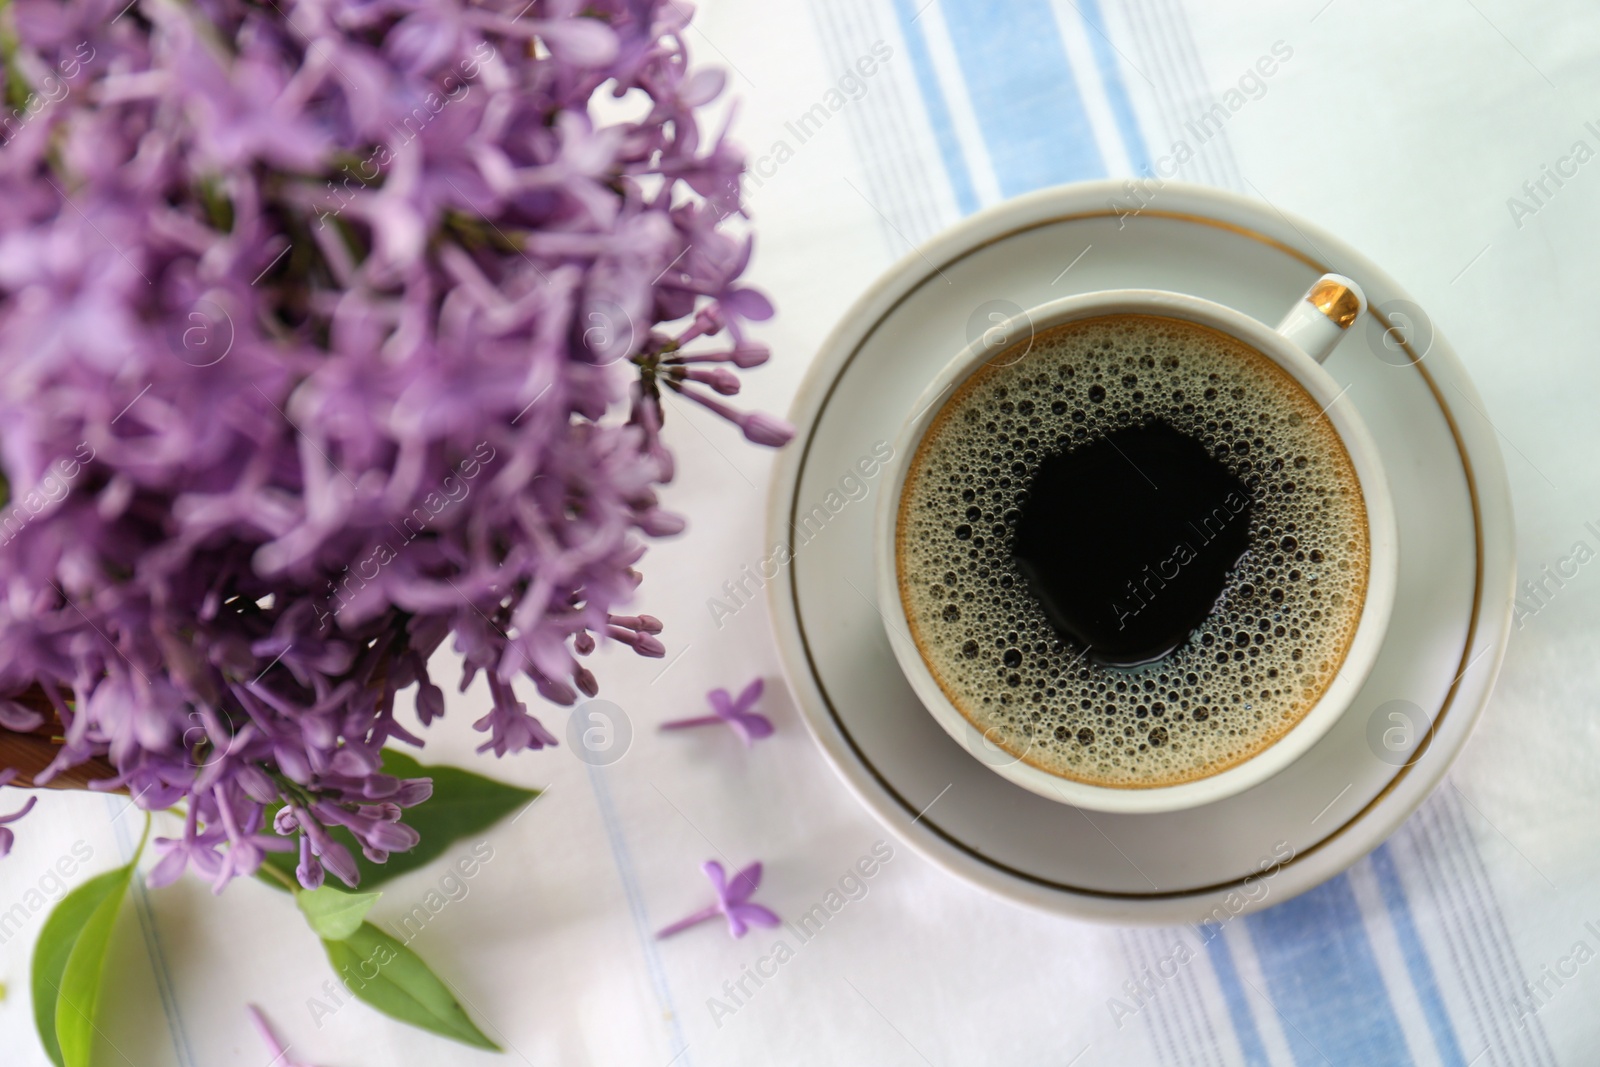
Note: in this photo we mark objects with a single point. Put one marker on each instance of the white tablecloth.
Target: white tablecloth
(1425, 133)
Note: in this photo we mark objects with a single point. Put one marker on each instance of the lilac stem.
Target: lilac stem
(280, 1055)
(709, 912)
(683, 724)
(700, 357)
(717, 406)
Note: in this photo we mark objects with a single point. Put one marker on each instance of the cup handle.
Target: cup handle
(1318, 320)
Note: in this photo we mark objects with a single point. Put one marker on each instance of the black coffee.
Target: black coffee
(1135, 556)
(1127, 541)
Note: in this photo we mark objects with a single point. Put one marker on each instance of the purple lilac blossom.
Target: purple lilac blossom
(7, 836)
(733, 902)
(734, 711)
(331, 331)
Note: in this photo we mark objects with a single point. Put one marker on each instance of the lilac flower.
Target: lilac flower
(303, 375)
(7, 837)
(733, 901)
(279, 1051)
(751, 726)
(192, 847)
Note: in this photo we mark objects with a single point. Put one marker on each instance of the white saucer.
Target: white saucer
(1450, 624)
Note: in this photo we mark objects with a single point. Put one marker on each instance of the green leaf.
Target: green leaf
(74, 993)
(462, 804)
(384, 973)
(80, 982)
(333, 913)
(62, 931)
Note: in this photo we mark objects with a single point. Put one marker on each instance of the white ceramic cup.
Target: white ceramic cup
(1306, 336)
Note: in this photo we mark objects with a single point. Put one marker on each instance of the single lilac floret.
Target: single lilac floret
(751, 726)
(7, 836)
(733, 902)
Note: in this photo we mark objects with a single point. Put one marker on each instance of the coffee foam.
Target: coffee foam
(1287, 613)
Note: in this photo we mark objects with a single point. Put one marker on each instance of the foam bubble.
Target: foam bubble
(1288, 611)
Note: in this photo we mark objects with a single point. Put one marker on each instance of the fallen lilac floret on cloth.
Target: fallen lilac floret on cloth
(733, 902)
(332, 331)
(734, 711)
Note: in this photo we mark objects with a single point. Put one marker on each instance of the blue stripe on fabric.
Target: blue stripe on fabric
(944, 131)
(1105, 60)
(1227, 972)
(641, 923)
(1020, 83)
(1418, 967)
(1324, 980)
